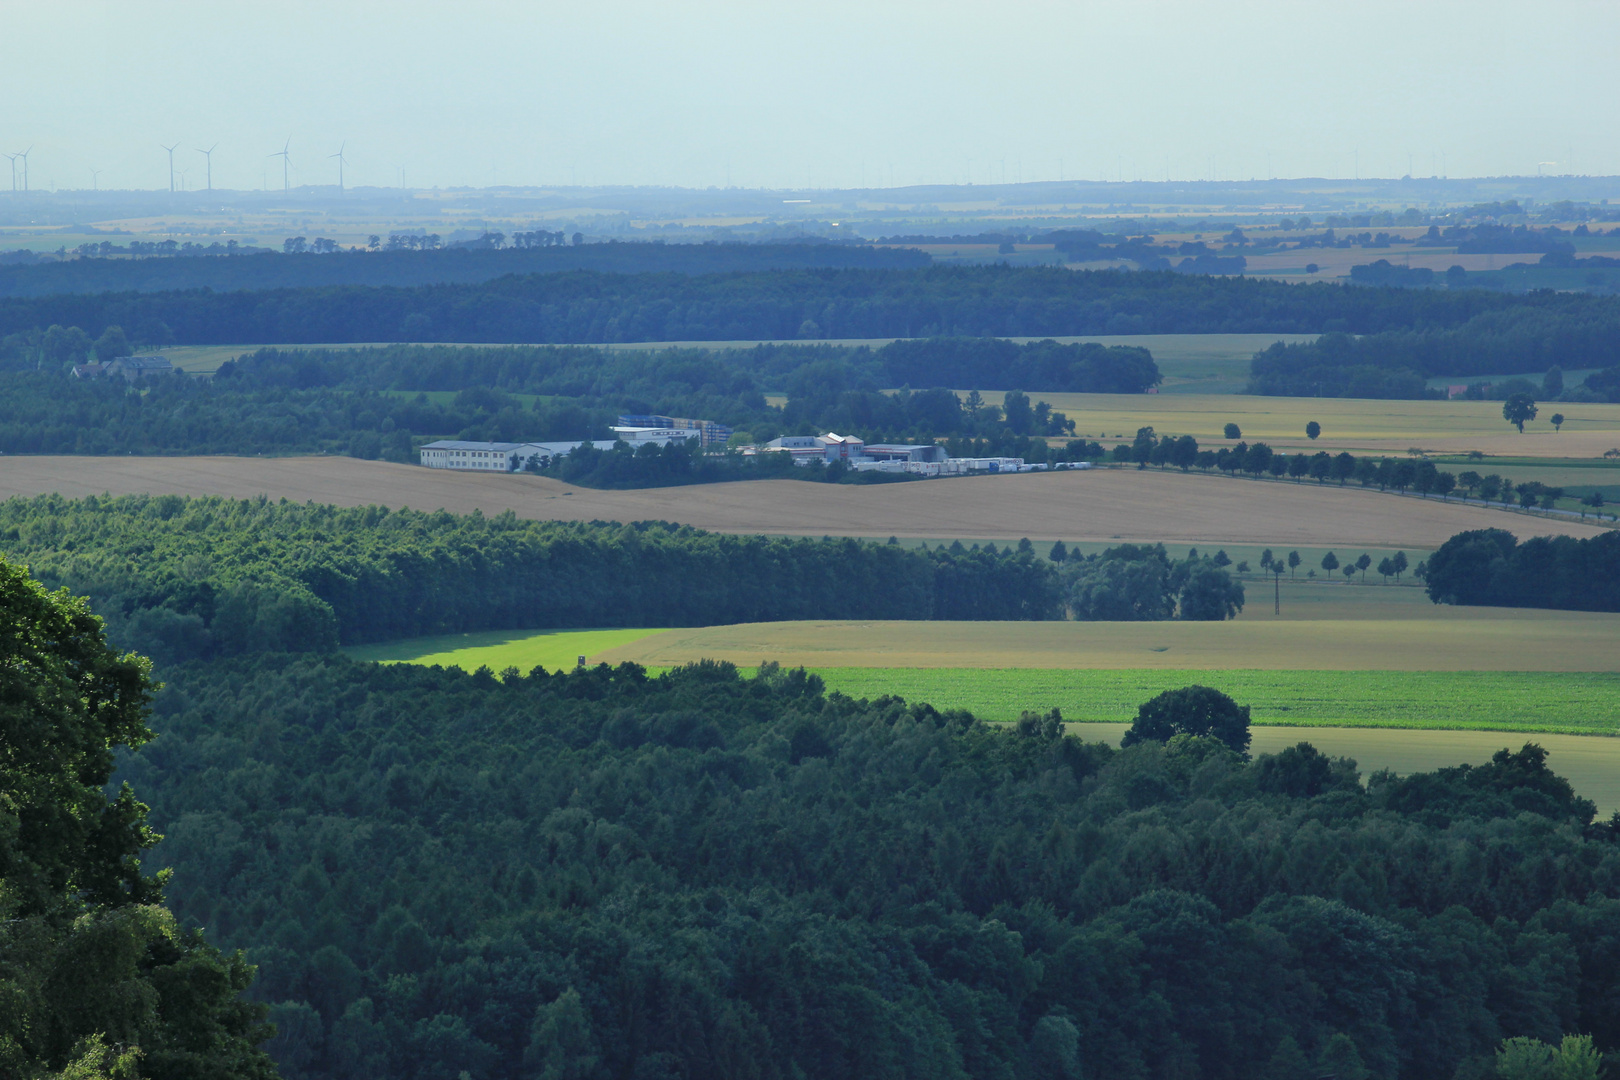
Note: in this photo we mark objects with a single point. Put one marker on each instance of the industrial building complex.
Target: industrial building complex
(919, 459)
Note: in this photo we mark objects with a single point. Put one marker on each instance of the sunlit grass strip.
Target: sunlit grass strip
(501, 649)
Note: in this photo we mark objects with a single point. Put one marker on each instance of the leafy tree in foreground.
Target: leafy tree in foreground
(1312, 430)
(96, 976)
(1198, 711)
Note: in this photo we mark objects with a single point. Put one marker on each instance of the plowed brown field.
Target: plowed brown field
(1099, 505)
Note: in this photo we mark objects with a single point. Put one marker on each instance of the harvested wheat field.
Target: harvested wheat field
(1102, 504)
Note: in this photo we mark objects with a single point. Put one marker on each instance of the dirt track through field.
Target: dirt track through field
(1098, 505)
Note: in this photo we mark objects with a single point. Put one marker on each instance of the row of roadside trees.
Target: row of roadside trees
(1387, 474)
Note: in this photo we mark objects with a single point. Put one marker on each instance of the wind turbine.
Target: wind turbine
(24, 156)
(340, 160)
(94, 177)
(209, 155)
(170, 149)
(13, 159)
(282, 154)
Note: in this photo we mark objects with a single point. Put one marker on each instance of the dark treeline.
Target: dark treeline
(1045, 365)
(1490, 566)
(1394, 364)
(370, 403)
(1386, 474)
(227, 271)
(601, 874)
(181, 577)
(589, 307)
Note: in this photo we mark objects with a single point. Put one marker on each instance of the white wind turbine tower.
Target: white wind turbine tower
(282, 154)
(340, 160)
(13, 159)
(208, 155)
(24, 156)
(170, 149)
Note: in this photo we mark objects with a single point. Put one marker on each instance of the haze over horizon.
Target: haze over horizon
(832, 95)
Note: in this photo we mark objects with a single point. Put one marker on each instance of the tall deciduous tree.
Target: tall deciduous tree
(95, 975)
(1518, 409)
(1191, 710)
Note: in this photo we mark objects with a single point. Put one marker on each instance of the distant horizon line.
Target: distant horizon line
(718, 189)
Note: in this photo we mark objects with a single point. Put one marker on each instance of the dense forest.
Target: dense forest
(1491, 566)
(224, 272)
(975, 301)
(602, 874)
(182, 578)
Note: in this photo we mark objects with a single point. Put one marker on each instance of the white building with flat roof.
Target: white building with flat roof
(480, 456)
(498, 456)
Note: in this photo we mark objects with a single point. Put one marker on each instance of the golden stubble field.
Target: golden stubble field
(1101, 504)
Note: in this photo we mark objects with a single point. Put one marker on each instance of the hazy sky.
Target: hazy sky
(786, 94)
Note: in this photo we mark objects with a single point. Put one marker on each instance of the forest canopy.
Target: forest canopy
(183, 578)
(603, 874)
(772, 305)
